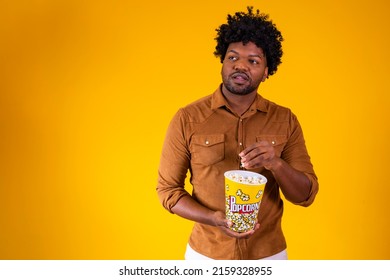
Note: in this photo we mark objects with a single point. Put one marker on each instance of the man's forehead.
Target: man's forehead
(238, 47)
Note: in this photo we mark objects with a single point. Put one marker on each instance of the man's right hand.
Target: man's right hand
(224, 225)
(190, 209)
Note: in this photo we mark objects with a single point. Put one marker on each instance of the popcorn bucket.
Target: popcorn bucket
(243, 193)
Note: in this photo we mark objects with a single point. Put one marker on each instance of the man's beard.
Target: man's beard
(239, 90)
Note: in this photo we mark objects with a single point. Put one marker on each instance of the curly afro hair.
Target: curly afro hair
(251, 27)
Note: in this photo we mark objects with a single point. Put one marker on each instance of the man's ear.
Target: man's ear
(265, 76)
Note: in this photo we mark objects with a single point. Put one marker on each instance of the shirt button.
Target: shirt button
(273, 142)
(240, 144)
(207, 142)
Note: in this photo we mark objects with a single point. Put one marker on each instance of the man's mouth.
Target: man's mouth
(240, 77)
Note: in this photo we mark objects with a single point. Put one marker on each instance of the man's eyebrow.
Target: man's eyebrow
(251, 55)
(233, 51)
(257, 55)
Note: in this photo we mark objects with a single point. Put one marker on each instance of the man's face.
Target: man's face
(244, 68)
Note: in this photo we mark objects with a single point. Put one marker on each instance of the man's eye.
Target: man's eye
(253, 61)
(232, 58)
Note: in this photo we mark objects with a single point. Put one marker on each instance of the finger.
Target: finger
(248, 150)
(254, 153)
(255, 160)
(254, 146)
(228, 224)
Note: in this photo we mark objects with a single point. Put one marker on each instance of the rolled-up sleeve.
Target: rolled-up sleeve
(296, 155)
(313, 191)
(174, 163)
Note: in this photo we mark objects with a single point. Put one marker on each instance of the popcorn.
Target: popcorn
(251, 180)
(243, 194)
(241, 222)
(259, 193)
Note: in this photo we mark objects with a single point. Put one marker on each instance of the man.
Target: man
(234, 128)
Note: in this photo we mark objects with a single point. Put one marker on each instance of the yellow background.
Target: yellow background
(87, 89)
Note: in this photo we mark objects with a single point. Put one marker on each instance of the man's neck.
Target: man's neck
(239, 103)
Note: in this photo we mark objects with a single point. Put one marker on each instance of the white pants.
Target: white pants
(191, 254)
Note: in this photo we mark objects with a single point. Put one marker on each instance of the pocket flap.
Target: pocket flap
(208, 140)
(273, 139)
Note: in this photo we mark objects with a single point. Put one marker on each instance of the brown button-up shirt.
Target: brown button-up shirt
(205, 138)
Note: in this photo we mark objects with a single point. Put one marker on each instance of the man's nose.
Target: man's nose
(240, 66)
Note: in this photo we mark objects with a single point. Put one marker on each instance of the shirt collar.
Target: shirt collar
(218, 101)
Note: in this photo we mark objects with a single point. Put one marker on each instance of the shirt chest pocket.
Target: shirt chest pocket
(207, 149)
(278, 141)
